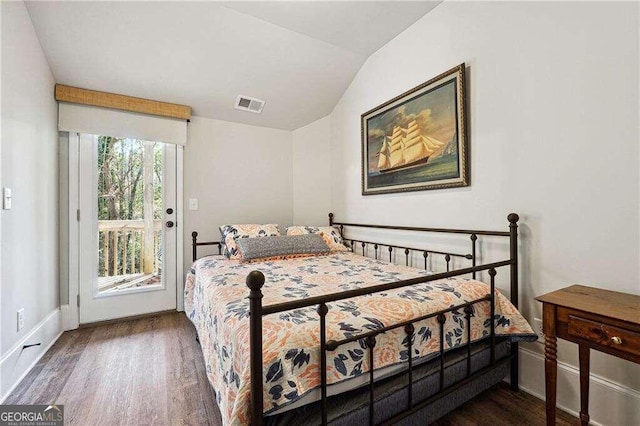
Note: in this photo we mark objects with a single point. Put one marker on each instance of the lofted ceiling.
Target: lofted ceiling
(298, 56)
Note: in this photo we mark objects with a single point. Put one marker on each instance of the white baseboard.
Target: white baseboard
(15, 365)
(610, 403)
(69, 318)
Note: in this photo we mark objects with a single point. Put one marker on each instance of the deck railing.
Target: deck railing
(122, 247)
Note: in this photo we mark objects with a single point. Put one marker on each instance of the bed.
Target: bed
(327, 339)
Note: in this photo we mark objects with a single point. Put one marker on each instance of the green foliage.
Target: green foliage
(120, 178)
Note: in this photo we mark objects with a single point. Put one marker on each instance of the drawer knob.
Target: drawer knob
(616, 340)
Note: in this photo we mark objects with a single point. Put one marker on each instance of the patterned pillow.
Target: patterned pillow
(274, 248)
(334, 240)
(330, 241)
(230, 233)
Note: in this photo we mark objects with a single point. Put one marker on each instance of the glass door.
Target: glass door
(127, 227)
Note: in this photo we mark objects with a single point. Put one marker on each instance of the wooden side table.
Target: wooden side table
(593, 318)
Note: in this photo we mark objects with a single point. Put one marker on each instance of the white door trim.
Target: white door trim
(87, 184)
(72, 321)
(180, 233)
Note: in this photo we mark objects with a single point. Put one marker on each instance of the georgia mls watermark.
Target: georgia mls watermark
(31, 415)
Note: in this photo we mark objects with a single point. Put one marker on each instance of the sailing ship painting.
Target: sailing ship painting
(407, 148)
(417, 140)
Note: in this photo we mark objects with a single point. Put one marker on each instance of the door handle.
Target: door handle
(170, 224)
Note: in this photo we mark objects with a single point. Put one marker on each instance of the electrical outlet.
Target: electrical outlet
(20, 319)
(537, 328)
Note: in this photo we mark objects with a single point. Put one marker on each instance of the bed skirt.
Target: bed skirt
(391, 395)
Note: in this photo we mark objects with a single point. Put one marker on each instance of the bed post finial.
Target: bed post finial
(255, 281)
(513, 218)
(330, 219)
(194, 242)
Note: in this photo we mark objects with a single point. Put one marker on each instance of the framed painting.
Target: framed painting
(417, 140)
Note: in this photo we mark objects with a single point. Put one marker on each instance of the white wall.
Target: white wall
(239, 174)
(29, 166)
(312, 173)
(553, 124)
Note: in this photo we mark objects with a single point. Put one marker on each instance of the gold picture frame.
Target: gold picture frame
(417, 140)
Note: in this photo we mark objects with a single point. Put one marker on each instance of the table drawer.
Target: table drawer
(605, 335)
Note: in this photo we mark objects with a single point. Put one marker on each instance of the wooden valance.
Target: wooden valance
(127, 103)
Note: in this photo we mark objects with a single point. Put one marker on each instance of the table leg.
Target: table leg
(550, 360)
(584, 384)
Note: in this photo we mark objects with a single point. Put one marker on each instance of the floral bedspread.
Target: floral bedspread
(216, 302)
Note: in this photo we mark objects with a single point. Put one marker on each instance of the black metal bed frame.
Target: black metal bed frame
(255, 280)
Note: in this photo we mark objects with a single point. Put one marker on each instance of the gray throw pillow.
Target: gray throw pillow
(253, 249)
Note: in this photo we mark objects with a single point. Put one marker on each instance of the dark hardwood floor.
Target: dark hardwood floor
(500, 406)
(151, 371)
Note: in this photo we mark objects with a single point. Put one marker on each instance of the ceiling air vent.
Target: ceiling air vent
(245, 103)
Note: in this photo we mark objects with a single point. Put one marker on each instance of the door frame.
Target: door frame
(179, 225)
(71, 317)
